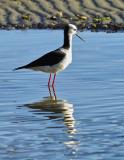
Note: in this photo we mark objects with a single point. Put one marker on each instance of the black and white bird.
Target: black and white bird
(57, 60)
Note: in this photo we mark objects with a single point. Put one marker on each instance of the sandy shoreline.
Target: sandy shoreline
(88, 14)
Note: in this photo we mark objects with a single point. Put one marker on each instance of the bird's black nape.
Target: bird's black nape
(66, 28)
(66, 37)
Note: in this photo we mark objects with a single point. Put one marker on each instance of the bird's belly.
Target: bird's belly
(54, 68)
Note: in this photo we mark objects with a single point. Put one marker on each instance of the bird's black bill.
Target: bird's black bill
(80, 37)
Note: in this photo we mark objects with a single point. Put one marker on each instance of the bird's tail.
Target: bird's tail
(22, 67)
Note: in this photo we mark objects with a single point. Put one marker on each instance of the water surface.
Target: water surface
(86, 121)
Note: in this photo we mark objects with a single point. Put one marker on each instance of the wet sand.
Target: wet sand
(55, 13)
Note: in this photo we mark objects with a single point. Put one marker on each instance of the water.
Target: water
(85, 122)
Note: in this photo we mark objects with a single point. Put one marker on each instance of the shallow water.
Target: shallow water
(86, 121)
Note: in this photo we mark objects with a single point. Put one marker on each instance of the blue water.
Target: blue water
(86, 121)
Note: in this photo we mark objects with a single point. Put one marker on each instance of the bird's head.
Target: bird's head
(71, 29)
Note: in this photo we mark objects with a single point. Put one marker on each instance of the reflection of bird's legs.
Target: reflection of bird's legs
(49, 80)
(54, 80)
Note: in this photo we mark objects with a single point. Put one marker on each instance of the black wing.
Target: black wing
(48, 59)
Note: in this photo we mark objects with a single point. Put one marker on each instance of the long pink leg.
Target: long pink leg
(54, 80)
(49, 79)
(50, 91)
(54, 92)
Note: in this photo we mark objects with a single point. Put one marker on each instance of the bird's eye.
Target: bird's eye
(75, 29)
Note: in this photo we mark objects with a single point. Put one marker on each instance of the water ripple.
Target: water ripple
(81, 119)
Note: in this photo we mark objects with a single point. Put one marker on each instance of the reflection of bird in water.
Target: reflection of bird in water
(61, 109)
